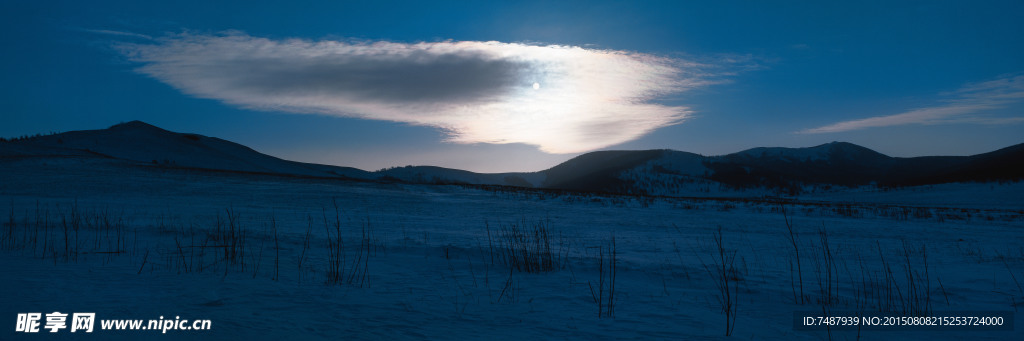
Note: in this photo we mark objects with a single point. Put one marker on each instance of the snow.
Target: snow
(430, 271)
(816, 153)
(681, 174)
(964, 195)
(683, 163)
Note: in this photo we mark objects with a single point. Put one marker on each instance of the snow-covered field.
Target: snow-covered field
(432, 262)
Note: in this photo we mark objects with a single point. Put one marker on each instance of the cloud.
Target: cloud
(476, 92)
(965, 105)
(118, 33)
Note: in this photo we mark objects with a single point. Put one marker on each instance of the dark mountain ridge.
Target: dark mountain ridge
(785, 170)
(846, 164)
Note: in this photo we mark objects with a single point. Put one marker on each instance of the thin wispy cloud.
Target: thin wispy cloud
(969, 104)
(117, 33)
(563, 99)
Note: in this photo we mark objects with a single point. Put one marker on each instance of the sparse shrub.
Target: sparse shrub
(527, 248)
(724, 274)
(910, 296)
(338, 270)
(799, 269)
(230, 238)
(305, 240)
(828, 286)
(604, 295)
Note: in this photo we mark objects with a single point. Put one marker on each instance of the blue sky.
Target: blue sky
(375, 84)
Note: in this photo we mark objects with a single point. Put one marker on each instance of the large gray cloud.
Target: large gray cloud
(584, 99)
(410, 79)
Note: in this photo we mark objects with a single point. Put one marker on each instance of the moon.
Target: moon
(536, 86)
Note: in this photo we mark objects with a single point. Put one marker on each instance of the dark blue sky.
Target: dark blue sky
(903, 78)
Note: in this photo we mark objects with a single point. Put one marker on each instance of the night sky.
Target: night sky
(521, 86)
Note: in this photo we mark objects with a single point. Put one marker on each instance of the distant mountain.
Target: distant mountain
(143, 143)
(440, 175)
(597, 170)
(836, 163)
(657, 172)
(1005, 164)
(790, 170)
